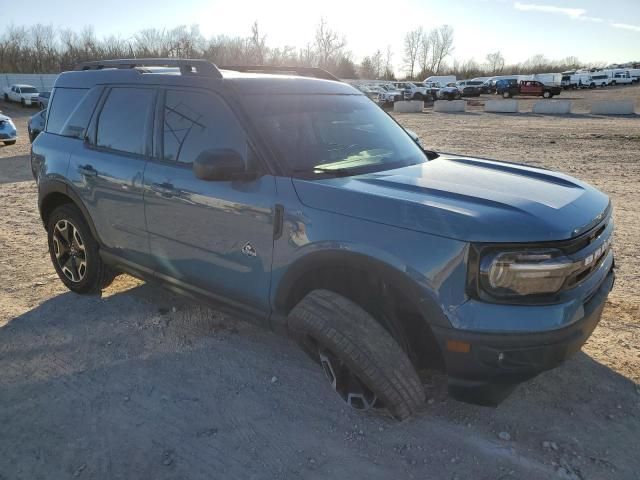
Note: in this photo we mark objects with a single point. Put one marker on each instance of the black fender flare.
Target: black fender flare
(430, 311)
(49, 187)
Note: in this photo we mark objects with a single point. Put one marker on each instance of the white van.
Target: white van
(550, 79)
(597, 79)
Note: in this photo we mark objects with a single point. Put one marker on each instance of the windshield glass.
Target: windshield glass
(319, 135)
(28, 90)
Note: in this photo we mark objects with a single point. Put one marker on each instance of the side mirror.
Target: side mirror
(414, 136)
(219, 165)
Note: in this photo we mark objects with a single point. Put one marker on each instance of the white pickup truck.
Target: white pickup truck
(27, 95)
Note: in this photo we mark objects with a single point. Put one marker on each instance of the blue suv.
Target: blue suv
(298, 203)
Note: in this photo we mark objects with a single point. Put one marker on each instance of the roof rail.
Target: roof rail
(313, 72)
(186, 66)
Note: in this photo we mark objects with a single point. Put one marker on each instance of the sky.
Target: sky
(592, 30)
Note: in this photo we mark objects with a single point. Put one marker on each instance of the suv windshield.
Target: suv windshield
(332, 134)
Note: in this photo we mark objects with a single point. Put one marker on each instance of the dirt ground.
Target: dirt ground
(139, 383)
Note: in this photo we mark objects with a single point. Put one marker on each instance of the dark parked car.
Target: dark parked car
(35, 125)
(43, 99)
(311, 211)
(531, 88)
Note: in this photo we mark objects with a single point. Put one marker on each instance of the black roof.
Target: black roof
(204, 74)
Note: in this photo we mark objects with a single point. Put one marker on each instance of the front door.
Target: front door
(213, 237)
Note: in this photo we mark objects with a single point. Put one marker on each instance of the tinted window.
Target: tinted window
(29, 90)
(195, 122)
(64, 101)
(124, 120)
(78, 120)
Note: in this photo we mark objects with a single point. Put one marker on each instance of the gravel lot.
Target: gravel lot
(139, 383)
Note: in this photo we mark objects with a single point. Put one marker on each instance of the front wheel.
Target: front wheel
(506, 94)
(363, 363)
(546, 94)
(6, 97)
(74, 252)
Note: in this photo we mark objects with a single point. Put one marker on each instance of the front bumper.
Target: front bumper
(496, 362)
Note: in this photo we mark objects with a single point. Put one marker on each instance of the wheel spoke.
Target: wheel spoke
(69, 250)
(346, 383)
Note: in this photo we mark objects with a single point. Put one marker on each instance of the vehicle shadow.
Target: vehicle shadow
(15, 169)
(140, 383)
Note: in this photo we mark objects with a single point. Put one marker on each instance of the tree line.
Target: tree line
(46, 49)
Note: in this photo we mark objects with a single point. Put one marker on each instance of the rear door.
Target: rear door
(107, 170)
(211, 237)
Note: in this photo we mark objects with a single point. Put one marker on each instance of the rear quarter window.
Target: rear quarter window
(64, 101)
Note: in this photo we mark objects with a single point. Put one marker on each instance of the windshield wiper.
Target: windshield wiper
(338, 172)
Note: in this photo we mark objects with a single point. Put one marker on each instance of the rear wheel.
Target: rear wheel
(6, 97)
(506, 94)
(22, 102)
(74, 252)
(363, 363)
(546, 94)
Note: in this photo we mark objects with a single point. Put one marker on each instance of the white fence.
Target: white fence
(43, 82)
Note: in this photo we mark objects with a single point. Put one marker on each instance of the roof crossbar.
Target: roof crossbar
(186, 66)
(313, 72)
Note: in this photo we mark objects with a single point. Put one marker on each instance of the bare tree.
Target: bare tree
(258, 44)
(411, 47)
(495, 62)
(442, 46)
(424, 55)
(329, 44)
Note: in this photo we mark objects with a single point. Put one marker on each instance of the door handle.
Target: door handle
(87, 171)
(164, 189)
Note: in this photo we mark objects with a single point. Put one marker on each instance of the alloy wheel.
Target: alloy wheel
(69, 250)
(346, 383)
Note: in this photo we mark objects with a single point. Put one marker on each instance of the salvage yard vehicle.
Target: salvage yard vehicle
(43, 99)
(530, 88)
(622, 79)
(23, 94)
(450, 92)
(311, 211)
(598, 80)
(470, 88)
(412, 90)
(8, 132)
(389, 95)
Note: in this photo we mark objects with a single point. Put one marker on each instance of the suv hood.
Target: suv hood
(465, 198)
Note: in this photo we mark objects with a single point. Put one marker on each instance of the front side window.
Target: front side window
(125, 120)
(332, 134)
(195, 122)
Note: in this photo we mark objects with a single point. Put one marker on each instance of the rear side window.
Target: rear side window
(195, 122)
(125, 120)
(65, 101)
(77, 123)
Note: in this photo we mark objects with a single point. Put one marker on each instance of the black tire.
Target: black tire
(326, 320)
(546, 94)
(96, 274)
(6, 97)
(9, 142)
(22, 102)
(506, 94)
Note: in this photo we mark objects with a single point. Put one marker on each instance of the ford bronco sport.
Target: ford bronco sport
(300, 204)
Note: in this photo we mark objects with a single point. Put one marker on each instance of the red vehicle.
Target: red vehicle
(531, 88)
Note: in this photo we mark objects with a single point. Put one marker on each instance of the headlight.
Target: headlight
(509, 274)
